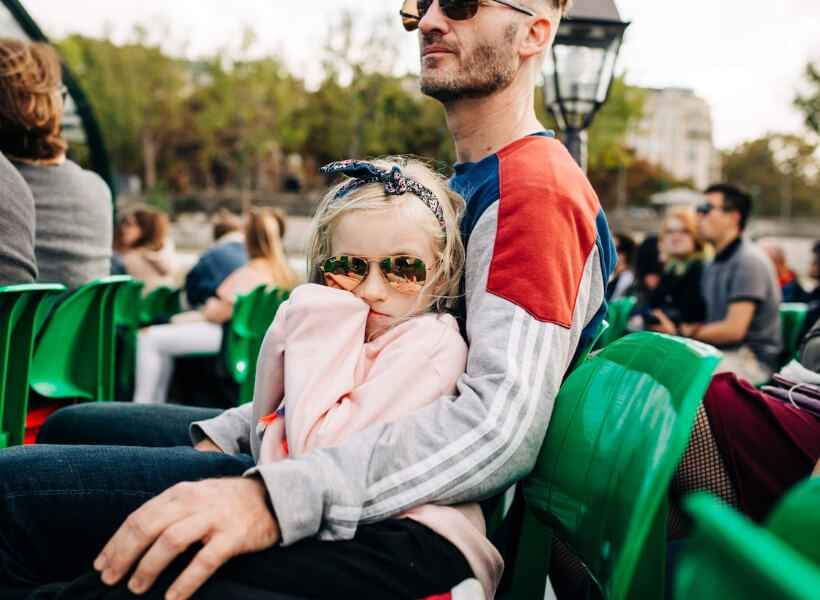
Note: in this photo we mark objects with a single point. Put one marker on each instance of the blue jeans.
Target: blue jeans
(59, 504)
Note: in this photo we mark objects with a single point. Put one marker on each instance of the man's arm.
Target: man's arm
(458, 448)
(731, 330)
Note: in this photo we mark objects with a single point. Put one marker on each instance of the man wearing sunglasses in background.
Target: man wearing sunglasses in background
(538, 258)
(739, 288)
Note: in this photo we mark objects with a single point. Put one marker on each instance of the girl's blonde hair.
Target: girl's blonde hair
(263, 239)
(445, 241)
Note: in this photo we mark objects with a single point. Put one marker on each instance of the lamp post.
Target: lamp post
(579, 71)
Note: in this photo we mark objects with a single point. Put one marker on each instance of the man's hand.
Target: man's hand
(206, 445)
(229, 516)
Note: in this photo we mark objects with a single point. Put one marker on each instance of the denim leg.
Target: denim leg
(123, 424)
(60, 504)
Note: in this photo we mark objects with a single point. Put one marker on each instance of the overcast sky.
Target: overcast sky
(744, 57)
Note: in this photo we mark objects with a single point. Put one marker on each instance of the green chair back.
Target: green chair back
(22, 310)
(74, 357)
(127, 319)
(160, 302)
(792, 316)
(583, 356)
(796, 520)
(728, 556)
(251, 319)
(617, 314)
(619, 427)
(241, 332)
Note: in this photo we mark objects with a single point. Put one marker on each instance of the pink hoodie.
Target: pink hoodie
(315, 363)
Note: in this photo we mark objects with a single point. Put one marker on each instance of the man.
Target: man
(739, 289)
(538, 258)
(17, 263)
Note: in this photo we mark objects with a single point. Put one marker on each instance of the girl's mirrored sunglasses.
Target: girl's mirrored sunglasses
(412, 11)
(405, 273)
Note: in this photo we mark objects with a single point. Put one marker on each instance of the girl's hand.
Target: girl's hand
(207, 445)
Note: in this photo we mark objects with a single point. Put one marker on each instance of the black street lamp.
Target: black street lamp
(579, 71)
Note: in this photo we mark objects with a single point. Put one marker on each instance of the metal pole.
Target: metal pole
(575, 142)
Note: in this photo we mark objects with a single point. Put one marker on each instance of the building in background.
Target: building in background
(675, 133)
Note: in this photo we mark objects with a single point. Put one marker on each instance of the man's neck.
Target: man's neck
(725, 242)
(482, 126)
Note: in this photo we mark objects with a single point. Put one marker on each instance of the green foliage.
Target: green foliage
(810, 104)
(781, 173)
(606, 148)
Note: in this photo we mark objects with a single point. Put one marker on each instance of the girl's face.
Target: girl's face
(374, 235)
(677, 241)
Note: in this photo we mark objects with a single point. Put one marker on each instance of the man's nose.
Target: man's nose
(433, 19)
(373, 287)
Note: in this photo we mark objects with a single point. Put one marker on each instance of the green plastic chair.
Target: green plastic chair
(728, 556)
(241, 332)
(505, 505)
(127, 319)
(22, 310)
(159, 303)
(74, 357)
(247, 333)
(792, 316)
(617, 314)
(620, 425)
(583, 356)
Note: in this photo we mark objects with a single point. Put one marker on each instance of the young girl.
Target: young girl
(374, 339)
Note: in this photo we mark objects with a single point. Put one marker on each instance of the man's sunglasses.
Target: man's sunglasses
(404, 273)
(412, 11)
(706, 208)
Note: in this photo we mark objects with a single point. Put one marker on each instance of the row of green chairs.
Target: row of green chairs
(252, 315)
(59, 349)
(728, 556)
(619, 427)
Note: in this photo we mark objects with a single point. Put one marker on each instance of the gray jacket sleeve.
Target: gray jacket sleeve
(458, 448)
(230, 430)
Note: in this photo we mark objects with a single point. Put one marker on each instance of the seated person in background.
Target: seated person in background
(622, 277)
(790, 288)
(217, 262)
(648, 269)
(813, 297)
(73, 206)
(676, 298)
(158, 345)
(144, 246)
(17, 263)
(749, 446)
(739, 288)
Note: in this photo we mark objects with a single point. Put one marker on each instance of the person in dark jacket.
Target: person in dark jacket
(676, 299)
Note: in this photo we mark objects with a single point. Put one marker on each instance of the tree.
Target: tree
(136, 93)
(810, 104)
(781, 172)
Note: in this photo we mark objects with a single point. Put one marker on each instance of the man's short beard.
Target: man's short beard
(489, 67)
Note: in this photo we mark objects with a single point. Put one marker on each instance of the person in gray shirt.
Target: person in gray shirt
(73, 206)
(17, 264)
(739, 288)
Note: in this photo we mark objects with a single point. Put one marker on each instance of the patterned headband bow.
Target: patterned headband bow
(363, 173)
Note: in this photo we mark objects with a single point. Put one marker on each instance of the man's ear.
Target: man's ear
(537, 38)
